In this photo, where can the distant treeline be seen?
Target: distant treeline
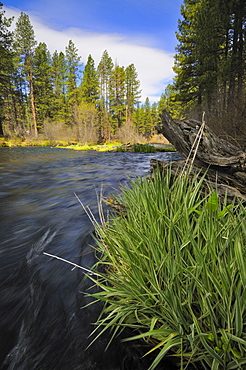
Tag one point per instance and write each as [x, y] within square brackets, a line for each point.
[58, 96]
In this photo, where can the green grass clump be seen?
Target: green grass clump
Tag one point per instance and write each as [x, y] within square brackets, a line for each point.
[166, 149]
[143, 148]
[137, 148]
[176, 272]
[91, 146]
[121, 149]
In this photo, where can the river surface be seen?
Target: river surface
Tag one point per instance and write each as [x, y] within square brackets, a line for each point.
[40, 212]
[38, 187]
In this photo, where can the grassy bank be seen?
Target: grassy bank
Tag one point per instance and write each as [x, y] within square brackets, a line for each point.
[118, 147]
[108, 146]
[18, 142]
[176, 272]
[145, 148]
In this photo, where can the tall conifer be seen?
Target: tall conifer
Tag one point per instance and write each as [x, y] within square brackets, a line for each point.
[117, 97]
[90, 85]
[210, 61]
[73, 72]
[42, 83]
[59, 78]
[6, 66]
[105, 70]
[24, 46]
[147, 123]
[133, 92]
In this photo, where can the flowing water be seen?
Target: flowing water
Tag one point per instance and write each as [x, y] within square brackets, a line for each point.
[40, 307]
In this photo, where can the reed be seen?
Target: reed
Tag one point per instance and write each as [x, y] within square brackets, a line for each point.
[175, 272]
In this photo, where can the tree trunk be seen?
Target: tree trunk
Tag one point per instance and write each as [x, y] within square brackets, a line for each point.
[33, 108]
[1, 127]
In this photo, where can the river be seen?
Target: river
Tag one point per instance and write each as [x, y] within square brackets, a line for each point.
[40, 307]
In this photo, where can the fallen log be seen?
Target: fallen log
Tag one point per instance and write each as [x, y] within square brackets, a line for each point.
[211, 178]
[224, 163]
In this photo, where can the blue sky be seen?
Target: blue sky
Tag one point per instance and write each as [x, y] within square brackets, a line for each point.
[133, 31]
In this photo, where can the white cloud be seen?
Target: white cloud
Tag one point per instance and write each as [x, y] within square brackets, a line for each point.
[154, 66]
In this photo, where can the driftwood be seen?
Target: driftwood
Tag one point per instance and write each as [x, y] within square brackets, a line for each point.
[225, 164]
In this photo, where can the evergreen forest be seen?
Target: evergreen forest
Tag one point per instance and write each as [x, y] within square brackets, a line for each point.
[56, 96]
[210, 66]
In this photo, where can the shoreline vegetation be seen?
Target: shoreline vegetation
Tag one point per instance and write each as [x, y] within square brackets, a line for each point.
[106, 147]
[175, 272]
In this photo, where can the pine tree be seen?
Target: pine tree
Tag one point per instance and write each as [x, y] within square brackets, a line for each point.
[6, 66]
[185, 60]
[42, 83]
[104, 69]
[169, 101]
[210, 61]
[138, 118]
[89, 88]
[133, 92]
[59, 78]
[117, 97]
[209, 51]
[24, 46]
[155, 116]
[147, 122]
[238, 49]
[73, 72]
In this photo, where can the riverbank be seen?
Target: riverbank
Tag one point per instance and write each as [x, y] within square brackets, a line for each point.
[128, 147]
[108, 146]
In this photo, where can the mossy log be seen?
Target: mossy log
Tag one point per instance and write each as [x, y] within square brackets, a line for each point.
[224, 163]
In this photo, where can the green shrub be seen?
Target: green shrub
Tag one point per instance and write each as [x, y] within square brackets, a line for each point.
[121, 149]
[137, 148]
[175, 272]
[143, 148]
